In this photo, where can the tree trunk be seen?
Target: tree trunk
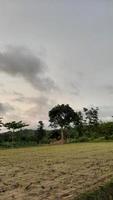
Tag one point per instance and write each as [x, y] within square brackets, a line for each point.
[62, 135]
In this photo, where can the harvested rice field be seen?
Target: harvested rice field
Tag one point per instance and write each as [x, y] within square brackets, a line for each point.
[58, 172]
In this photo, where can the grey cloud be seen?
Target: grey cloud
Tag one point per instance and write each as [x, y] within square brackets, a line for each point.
[19, 61]
[39, 108]
[109, 88]
[106, 112]
[19, 97]
[17, 93]
[1, 85]
[5, 108]
[74, 88]
[40, 100]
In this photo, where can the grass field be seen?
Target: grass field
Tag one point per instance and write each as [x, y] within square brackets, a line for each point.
[59, 172]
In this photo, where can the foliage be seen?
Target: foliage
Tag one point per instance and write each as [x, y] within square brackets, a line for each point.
[66, 124]
[106, 129]
[103, 193]
[40, 133]
[78, 122]
[14, 125]
[62, 116]
[91, 116]
[1, 123]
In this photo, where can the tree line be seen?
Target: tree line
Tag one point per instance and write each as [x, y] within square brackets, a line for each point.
[66, 125]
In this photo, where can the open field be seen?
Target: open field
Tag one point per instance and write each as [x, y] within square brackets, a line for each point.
[59, 172]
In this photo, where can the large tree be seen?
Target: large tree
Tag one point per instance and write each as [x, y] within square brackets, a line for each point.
[61, 116]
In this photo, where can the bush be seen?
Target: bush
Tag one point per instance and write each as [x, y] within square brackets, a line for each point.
[108, 137]
[83, 139]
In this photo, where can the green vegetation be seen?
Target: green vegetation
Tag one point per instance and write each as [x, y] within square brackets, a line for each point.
[61, 116]
[67, 126]
[103, 193]
[67, 172]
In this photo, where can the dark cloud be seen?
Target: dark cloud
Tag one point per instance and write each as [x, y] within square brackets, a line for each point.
[5, 108]
[19, 61]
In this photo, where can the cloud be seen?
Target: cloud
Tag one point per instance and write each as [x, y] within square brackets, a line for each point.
[39, 108]
[109, 88]
[21, 62]
[74, 89]
[36, 107]
[5, 108]
[106, 112]
[40, 100]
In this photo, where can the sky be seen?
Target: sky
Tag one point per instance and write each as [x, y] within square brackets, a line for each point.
[54, 52]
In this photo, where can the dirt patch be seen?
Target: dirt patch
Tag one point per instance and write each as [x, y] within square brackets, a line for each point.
[59, 172]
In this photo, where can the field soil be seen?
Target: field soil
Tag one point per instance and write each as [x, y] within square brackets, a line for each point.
[58, 172]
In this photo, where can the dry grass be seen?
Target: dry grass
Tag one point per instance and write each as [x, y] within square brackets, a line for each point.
[59, 172]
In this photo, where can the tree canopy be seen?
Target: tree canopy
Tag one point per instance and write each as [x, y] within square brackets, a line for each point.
[61, 115]
[91, 116]
[15, 125]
